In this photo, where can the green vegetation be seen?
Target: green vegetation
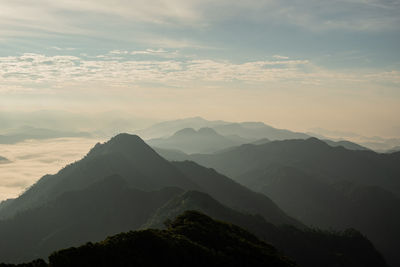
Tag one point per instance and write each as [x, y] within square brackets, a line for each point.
[192, 239]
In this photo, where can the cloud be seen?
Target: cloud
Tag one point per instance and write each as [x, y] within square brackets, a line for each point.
[31, 160]
[33, 73]
[103, 17]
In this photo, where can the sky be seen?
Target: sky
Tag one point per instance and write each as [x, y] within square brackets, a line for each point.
[291, 64]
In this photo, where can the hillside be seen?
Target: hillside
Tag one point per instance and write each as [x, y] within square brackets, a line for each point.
[307, 247]
[322, 185]
[107, 207]
[192, 239]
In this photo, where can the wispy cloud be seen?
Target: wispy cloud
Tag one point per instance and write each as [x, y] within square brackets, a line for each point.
[91, 17]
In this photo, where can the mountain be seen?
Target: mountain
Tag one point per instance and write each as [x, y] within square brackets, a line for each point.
[167, 128]
[240, 132]
[27, 132]
[192, 239]
[308, 247]
[188, 140]
[78, 200]
[107, 207]
[323, 185]
[346, 144]
[234, 195]
[257, 130]
[126, 155]
[3, 160]
[131, 158]
[312, 156]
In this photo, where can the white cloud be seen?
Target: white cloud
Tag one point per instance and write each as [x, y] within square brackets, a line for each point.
[30, 73]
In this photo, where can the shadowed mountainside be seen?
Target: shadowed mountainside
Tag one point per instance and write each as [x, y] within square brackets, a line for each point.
[192, 239]
[308, 247]
[323, 185]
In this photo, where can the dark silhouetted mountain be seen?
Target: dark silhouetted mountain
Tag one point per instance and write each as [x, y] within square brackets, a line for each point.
[346, 144]
[141, 167]
[302, 177]
[131, 158]
[192, 239]
[106, 207]
[308, 247]
[167, 128]
[188, 140]
[28, 132]
[126, 155]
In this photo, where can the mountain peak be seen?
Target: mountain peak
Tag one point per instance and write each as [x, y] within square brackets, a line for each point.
[185, 131]
[207, 130]
[126, 143]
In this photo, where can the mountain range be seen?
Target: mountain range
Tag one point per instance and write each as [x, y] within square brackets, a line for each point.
[322, 185]
[245, 130]
[124, 184]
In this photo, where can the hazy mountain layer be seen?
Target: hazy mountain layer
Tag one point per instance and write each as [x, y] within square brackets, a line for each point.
[167, 128]
[346, 144]
[188, 140]
[25, 133]
[311, 156]
[235, 131]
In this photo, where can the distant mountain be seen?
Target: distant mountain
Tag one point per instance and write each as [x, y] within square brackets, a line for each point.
[258, 130]
[27, 132]
[188, 140]
[346, 144]
[107, 207]
[167, 128]
[323, 185]
[307, 247]
[244, 132]
[312, 156]
[3, 160]
[192, 239]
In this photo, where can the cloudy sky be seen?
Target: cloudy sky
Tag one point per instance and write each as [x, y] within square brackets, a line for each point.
[292, 64]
